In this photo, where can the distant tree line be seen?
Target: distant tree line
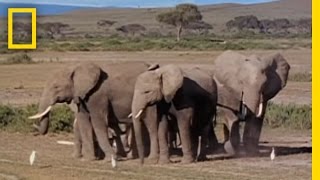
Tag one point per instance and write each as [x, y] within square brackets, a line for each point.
[267, 26]
[184, 18]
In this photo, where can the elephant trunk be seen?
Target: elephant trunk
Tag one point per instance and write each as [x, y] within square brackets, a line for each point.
[137, 111]
[253, 125]
[138, 134]
[44, 122]
[43, 113]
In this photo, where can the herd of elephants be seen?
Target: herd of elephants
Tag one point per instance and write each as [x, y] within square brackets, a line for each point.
[137, 109]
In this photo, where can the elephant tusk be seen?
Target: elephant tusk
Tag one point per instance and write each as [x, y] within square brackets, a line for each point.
[139, 114]
[130, 115]
[37, 116]
[74, 122]
[260, 110]
[36, 126]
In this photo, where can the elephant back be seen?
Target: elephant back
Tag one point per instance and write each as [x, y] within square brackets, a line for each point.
[199, 81]
[236, 70]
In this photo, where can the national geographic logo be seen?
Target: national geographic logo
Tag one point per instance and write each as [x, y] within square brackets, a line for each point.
[33, 12]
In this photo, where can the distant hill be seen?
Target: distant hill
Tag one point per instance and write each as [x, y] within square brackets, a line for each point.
[42, 9]
[84, 20]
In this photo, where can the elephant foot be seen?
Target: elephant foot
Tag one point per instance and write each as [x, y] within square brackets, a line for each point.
[251, 148]
[85, 159]
[76, 155]
[130, 155]
[252, 152]
[152, 160]
[229, 148]
[164, 160]
[202, 157]
[187, 160]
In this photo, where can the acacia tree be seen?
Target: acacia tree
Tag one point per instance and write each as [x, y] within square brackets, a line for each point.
[180, 17]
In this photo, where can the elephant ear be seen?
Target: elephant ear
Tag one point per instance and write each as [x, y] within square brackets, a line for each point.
[277, 70]
[85, 78]
[171, 79]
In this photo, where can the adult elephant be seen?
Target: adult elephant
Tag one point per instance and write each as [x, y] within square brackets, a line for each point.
[245, 85]
[103, 96]
[189, 94]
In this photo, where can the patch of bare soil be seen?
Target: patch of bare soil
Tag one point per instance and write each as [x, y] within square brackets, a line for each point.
[53, 161]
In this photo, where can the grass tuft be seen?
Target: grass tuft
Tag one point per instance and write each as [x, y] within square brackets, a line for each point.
[22, 58]
[288, 116]
[301, 77]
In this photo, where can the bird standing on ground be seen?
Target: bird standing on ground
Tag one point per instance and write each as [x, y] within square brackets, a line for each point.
[32, 157]
[273, 154]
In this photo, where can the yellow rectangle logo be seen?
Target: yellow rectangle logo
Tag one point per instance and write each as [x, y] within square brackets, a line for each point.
[33, 12]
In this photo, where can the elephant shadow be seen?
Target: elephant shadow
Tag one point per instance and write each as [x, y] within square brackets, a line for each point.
[284, 150]
[264, 151]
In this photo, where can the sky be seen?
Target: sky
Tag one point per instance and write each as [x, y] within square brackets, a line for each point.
[130, 3]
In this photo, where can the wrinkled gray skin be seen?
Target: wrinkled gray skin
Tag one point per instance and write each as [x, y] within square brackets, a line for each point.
[260, 79]
[187, 93]
[103, 97]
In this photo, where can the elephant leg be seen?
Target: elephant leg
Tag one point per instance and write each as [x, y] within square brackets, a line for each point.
[184, 118]
[133, 153]
[212, 138]
[77, 140]
[194, 143]
[163, 141]
[203, 143]
[252, 132]
[226, 133]
[100, 127]
[232, 144]
[86, 134]
[151, 122]
[172, 138]
[121, 141]
[126, 138]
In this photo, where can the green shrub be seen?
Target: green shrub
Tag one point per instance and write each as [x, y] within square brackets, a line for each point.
[289, 116]
[16, 118]
[301, 77]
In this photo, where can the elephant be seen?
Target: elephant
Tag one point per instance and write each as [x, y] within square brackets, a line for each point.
[245, 85]
[189, 94]
[103, 95]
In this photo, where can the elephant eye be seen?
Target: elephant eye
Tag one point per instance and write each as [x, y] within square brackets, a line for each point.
[56, 87]
[146, 92]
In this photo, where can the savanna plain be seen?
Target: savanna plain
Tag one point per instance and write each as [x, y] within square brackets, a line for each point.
[287, 128]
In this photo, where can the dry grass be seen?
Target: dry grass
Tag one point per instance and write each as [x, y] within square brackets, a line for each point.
[54, 161]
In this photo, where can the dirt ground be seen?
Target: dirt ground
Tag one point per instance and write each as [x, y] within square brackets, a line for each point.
[53, 161]
[22, 84]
